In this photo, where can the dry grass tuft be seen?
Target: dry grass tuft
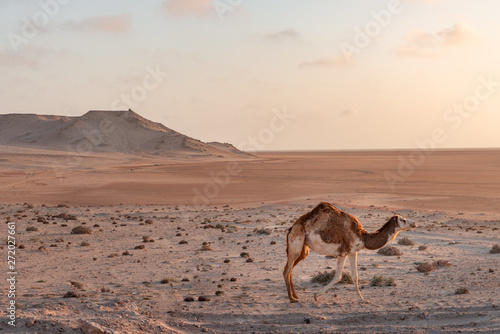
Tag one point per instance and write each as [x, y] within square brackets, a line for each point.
[441, 263]
[325, 277]
[423, 247]
[265, 231]
[77, 285]
[425, 267]
[461, 291]
[390, 251]
[495, 249]
[406, 242]
[31, 229]
[382, 281]
[81, 230]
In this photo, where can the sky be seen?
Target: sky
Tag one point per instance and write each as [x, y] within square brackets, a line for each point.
[264, 75]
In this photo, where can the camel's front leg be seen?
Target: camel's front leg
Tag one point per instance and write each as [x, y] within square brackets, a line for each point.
[338, 276]
[353, 261]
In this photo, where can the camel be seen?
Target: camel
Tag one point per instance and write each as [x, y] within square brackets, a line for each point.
[329, 231]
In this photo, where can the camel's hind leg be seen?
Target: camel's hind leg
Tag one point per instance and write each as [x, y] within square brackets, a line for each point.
[302, 256]
[294, 247]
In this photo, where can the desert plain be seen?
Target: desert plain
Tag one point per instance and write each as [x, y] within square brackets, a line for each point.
[198, 245]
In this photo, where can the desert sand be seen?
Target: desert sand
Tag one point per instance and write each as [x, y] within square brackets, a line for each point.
[164, 231]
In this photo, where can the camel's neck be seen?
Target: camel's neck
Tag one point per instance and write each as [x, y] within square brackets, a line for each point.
[380, 238]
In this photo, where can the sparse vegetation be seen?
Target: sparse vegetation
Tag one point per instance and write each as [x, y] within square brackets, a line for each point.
[390, 251]
[441, 263]
[72, 294]
[325, 277]
[423, 247]
[382, 281]
[495, 249]
[264, 231]
[31, 229]
[406, 242]
[425, 267]
[77, 285]
[461, 291]
[167, 280]
[81, 230]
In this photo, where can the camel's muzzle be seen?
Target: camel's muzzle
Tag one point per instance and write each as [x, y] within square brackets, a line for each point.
[413, 225]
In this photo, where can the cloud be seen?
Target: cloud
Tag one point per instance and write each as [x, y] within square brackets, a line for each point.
[349, 113]
[419, 43]
[283, 35]
[33, 57]
[338, 61]
[117, 24]
[198, 8]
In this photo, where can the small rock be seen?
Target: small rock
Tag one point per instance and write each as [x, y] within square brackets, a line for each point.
[203, 298]
[189, 299]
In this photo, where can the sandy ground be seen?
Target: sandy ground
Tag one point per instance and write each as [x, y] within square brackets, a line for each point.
[195, 243]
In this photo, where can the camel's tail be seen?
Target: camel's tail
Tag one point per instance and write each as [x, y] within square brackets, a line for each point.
[287, 234]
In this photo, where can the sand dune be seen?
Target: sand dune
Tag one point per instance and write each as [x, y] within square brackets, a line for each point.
[105, 131]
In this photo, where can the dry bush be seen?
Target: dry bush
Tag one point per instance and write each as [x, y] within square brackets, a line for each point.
[265, 231]
[382, 281]
[441, 263]
[31, 229]
[423, 247]
[425, 267]
[406, 242]
[81, 230]
[390, 251]
[77, 285]
[495, 249]
[461, 291]
[325, 277]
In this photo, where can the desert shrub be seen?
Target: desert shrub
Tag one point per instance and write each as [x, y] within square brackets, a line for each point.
[77, 285]
[390, 251]
[406, 242]
[423, 247]
[81, 230]
[265, 231]
[461, 291]
[167, 280]
[72, 294]
[425, 267]
[325, 277]
[495, 249]
[382, 281]
[31, 229]
[441, 263]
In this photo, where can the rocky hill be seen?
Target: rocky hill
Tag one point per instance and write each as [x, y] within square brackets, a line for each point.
[105, 131]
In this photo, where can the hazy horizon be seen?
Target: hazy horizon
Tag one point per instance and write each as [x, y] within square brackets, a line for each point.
[296, 76]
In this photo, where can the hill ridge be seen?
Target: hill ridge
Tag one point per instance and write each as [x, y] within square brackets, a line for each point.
[112, 131]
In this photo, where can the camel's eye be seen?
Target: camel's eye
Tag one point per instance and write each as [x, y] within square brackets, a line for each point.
[404, 220]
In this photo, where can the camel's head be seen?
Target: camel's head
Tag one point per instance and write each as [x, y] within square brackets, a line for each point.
[403, 224]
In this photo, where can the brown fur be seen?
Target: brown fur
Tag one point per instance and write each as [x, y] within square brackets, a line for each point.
[337, 227]
[379, 238]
